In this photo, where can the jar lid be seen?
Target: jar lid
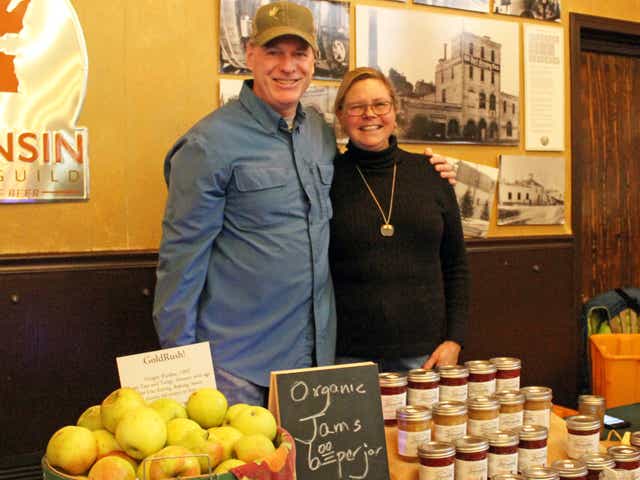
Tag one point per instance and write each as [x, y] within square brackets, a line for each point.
[502, 438]
[507, 476]
[635, 439]
[537, 393]
[413, 413]
[506, 363]
[436, 450]
[591, 400]
[583, 423]
[510, 397]
[541, 473]
[483, 402]
[624, 453]
[422, 375]
[532, 432]
[480, 366]
[453, 371]
[392, 379]
[471, 444]
[570, 468]
[449, 408]
[598, 461]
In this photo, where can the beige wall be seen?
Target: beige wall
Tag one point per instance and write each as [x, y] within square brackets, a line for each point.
[152, 73]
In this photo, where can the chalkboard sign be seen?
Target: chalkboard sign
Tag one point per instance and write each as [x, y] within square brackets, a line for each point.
[335, 415]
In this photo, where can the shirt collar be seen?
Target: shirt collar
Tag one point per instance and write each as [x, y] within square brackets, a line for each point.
[266, 116]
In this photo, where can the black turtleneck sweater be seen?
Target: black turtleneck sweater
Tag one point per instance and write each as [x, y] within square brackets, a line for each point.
[398, 296]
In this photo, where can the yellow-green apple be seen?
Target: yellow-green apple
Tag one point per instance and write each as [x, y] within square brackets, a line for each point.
[117, 404]
[169, 408]
[123, 455]
[170, 462]
[232, 411]
[141, 432]
[227, 465]
[194, 442]
[179, 427]
[112, 468]
[73, 449]
[90, 418]
[227, 436]
[207, 406]
[106, 442]
[253, 447]
[255, 420]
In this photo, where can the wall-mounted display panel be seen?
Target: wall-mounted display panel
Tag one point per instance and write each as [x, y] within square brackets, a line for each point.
[472, 5]
[539, 9]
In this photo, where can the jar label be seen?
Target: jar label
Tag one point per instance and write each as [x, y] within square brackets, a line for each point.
[537, 417]
[449, 433]
[471, 470]
[390, 403]
[477, 389]
[457, 392]
[531, 457]
[578, 445]
[505, 463]
[408, 442]
[480, 428]
[436, 473]
[426, 397]
[508, 383]
[509, 421]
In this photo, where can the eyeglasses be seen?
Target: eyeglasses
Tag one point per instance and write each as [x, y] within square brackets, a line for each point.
[379, 108]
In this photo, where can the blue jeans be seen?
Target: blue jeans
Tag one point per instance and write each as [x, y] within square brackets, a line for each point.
[388, 365]
[239, 390]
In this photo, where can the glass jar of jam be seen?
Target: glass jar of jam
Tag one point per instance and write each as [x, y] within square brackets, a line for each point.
[570, 469]
[437, 461]
[626, 458]
[537, 405]
[393, 393]
[449, 421]
[592, 405]
[483, 415]
[414, 428]
[635, 439]
[423, 388]
[503, 452]
[453, 383]
[482, 377]
[508, 374]
[511, 409]
[471, 458]
[597, 463]
[541, 473]
[507, 476]
[532, 447]
[583, 435]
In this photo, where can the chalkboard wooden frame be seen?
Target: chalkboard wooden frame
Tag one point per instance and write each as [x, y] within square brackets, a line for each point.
[334, 414]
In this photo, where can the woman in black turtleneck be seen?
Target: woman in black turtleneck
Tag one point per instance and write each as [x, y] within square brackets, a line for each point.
[397, 251]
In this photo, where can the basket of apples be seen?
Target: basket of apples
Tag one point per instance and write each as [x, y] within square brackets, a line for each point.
[125, 438]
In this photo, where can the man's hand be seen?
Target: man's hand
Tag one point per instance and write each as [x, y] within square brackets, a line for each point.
[441, 165]
[445, 354]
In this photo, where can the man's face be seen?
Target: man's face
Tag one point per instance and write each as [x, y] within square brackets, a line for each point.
[282, 70]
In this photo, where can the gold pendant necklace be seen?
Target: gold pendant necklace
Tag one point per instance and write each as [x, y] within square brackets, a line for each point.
[386, 230]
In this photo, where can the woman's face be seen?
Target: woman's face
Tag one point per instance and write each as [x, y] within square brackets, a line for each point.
[368, 130]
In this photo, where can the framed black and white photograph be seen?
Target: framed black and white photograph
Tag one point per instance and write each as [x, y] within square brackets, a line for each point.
[548, 10]
[531, 190]
[475, 190]
[457, 77]
[332, 27]
[471, 5]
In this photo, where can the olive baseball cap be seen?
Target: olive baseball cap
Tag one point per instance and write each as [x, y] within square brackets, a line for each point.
[283, 18]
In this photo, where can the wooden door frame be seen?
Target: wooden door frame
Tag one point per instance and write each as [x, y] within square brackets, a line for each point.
[595, 34]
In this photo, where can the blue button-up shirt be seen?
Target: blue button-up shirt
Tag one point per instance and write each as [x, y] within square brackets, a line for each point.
[243, 258]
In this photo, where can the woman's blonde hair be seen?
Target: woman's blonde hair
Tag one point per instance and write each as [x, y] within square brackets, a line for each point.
[362, 73]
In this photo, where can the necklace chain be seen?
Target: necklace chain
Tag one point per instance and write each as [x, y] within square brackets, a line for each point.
[387, 219]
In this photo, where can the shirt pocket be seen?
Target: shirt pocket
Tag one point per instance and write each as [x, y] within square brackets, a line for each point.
[260, 196]
[325, 174]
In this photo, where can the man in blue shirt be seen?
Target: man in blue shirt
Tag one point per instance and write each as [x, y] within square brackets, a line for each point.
[243, 259]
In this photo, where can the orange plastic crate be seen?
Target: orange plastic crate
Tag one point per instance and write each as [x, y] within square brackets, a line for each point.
[615, 367]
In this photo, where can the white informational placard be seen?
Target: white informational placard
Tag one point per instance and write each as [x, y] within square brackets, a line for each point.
[544, 87]
[172, 372]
